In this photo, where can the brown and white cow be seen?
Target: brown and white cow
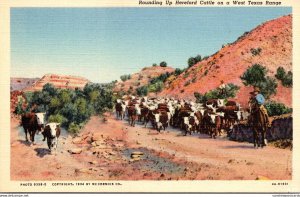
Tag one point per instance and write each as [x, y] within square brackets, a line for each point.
[32, 122]
[132, 115]
[52, 132]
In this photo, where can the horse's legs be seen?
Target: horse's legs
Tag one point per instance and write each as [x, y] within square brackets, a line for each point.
[264, 140]
[255, 138]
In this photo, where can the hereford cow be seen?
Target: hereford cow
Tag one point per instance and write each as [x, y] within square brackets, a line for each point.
[132, 115]
[52, 132]
[32, 122]
[161, 120]
[215, 124]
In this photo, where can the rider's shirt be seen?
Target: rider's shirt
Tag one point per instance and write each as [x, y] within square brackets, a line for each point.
[260, 99]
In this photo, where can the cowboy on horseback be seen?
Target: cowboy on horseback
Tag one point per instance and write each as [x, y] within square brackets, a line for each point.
[222, 89]
[259, 119]
[257, 101]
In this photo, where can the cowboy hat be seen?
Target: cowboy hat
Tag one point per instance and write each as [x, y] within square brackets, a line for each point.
[255, 89]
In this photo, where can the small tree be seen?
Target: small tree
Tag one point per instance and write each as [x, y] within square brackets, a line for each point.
[285, 78]
[280, 74]
[256, 76]
[194, 60]
[163, 64]
[178, 71]
[288, 80]
[142, 91]
[154, 65]
[191, 62]
[125, 77]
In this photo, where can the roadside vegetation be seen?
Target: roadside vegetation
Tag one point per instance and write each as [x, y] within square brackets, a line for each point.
[286, 78]
[229, 92]
[256, 76]
[71, 108]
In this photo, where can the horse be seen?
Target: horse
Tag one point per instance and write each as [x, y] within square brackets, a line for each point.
[258, 122]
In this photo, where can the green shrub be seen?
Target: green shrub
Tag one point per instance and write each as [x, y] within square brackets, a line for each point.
[142, 91]
[178, 71]
[256, 76]
[276, 109]
[187, 83]
[19, 108]
[154, 65]
[255, 51]
[125, 77]
[163, 64]
[73, 128]
[230, 92]
[57, 118]
[194, 60]
[288, 80]
[285, 78]
[280, 73]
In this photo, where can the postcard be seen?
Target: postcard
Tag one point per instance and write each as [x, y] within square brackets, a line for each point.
[149, 96]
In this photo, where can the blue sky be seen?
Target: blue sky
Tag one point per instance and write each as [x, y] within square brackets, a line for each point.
[103, 43]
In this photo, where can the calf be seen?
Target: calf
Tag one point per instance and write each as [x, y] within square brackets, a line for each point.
[52, 132]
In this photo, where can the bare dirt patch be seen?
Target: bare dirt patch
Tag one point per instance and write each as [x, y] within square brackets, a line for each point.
[106, 153]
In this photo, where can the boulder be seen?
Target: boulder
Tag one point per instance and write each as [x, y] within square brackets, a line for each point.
[93, 162]
[259, 177]
[137, 153]
[83, 170]
[75, 150]
[97, 137]
[76, 140]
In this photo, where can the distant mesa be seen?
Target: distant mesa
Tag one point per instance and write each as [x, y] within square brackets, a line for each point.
[21, 83]
[59, 81]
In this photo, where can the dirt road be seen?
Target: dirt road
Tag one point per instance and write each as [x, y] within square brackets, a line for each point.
[103, 151]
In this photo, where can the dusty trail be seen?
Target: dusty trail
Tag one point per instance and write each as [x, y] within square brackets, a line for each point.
[167, 155]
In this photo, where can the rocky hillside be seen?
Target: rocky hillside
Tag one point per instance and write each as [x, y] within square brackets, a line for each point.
[274, 38]
[21, 83]
[141, 78]
[59, 81]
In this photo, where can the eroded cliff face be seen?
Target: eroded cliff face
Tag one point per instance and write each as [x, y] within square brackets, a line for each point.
[273, 38]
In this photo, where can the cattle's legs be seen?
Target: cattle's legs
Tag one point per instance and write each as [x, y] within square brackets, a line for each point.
[32, 136]
[56, 143]
[26, 135]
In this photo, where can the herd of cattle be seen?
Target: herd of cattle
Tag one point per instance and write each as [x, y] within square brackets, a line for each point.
[35, 122]
[209, 118]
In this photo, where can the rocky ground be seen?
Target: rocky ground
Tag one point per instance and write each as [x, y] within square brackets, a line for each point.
[109, 149]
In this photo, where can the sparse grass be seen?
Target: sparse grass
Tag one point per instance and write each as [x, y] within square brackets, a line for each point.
[187, 83]
[186, 74]
[283, 143]
[194, 79]
[256, 51]
[206, 72]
